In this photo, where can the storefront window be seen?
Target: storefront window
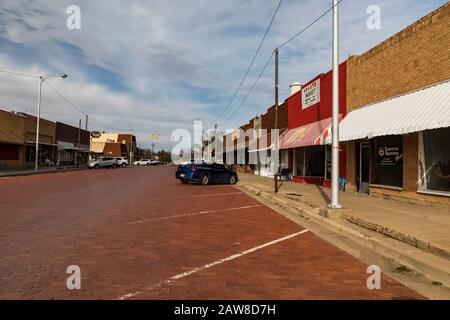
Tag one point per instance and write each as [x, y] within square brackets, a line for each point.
[300, 157]
[311, 161]
[389, 161]
[436, 150]
[315, 161]
[30, 151]
[66, 155]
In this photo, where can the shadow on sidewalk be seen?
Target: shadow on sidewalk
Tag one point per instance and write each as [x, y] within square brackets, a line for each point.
[323, 194]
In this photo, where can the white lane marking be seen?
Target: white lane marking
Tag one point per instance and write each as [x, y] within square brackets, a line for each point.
[193, 214]
[210, 265]
[209, 195]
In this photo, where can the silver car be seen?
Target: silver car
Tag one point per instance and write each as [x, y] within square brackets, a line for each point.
[103, 163]
[122, 161]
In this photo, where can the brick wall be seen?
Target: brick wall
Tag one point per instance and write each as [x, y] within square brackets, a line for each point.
[351, 167]
[410, 162]
[415, 57]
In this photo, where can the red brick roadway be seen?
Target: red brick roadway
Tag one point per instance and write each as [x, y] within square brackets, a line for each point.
[138, 233]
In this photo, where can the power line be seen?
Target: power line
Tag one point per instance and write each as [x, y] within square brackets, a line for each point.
[77, 108]
[19, 74]
[250, 90]
[308, 26]
[279, 47]
[252, 62]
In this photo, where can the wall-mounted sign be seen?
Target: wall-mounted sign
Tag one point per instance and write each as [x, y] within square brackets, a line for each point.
[96, 134]
[311, 94]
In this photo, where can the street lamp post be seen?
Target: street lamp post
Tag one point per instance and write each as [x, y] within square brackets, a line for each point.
[41, 80]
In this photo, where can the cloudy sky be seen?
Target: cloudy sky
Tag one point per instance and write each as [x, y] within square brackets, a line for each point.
[156, 65]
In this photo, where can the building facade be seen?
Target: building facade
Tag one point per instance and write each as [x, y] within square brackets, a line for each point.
[114, 145]
[411, 158]
[12, 140]
[309, 126]
[47, 141]
[72, 145]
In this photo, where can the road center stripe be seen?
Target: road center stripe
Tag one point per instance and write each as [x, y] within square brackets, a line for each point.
[193, 214]
[210, 265]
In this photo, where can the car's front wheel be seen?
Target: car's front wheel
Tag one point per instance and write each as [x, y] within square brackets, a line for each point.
[96, 166]
[232, 180]
[204, 179]
[124, 165]
[114, 166]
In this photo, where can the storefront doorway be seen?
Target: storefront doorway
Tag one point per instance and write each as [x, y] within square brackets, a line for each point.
[364, 167]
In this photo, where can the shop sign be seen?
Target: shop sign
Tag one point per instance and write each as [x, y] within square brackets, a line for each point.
[389, 156]
[311, 94]
[96, 134]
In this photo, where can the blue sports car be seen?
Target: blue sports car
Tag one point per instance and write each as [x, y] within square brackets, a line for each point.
[206, 173]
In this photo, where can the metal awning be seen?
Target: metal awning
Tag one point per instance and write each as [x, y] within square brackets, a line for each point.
[315, 133]
[41, 143]
[424, 109]
[63, 145]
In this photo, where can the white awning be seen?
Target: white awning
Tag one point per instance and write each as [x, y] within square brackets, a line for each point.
[424, 109]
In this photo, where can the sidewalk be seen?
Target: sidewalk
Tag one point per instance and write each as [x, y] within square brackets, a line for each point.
[423, 225]
[27, 172]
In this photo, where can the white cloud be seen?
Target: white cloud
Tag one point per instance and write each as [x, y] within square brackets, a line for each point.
[178, 60]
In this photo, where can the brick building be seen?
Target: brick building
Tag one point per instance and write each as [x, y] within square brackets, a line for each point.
[12, 140]
[110, 144]
[309, 126]
[18, 140]
[397, 97]
[72, 144]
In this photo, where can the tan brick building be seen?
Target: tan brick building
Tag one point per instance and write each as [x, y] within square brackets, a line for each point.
[413, 59]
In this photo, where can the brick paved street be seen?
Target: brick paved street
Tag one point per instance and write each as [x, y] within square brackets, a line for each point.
[139, 233]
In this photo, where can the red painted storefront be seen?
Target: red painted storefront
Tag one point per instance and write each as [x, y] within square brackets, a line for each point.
[299, 117]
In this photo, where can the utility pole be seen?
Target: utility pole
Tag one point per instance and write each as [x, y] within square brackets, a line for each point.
[130, 151]
[153, 149]
[36, 160]
[86, 123]
[275, 176]
[78, 144]
[335, 114]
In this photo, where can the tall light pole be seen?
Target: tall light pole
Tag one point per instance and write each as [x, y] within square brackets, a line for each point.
[275, 176]
[335, 113]
[41, 80]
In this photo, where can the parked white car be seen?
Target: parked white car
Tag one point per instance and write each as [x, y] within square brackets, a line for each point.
[122, 161]
[142, 162]
[103, 163]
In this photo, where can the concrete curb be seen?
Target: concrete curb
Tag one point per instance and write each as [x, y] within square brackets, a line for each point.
[313, 213]
[406, 238]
